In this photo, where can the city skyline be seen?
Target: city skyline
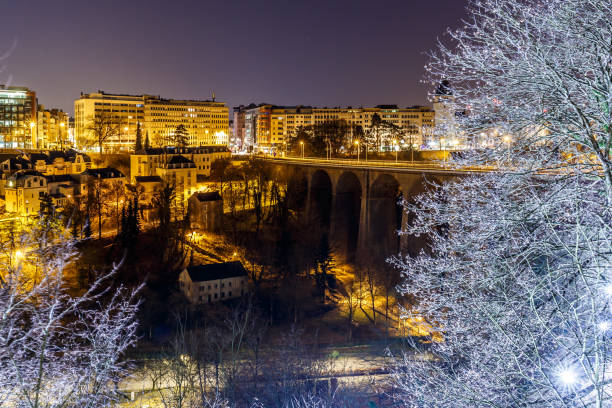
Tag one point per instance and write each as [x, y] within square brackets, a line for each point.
[361, 54]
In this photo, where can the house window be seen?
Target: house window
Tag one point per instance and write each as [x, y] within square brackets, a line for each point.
[215, 295]
[222, 294]
[230, 293]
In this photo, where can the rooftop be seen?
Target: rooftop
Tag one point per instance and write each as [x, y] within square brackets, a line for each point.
[148, 179]
[59, 178]
[211, 196]
[225, 270]
[156, 151]
[105, 172]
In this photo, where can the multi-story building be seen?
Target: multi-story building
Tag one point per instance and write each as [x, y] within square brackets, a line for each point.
[206, 122]
[124, 110]
[23, 191]
[52, 129]
[104, 176]
[264, 127]
[214, 282]
[17, 117]
[146, 161]
[239, 128]
[179, 172]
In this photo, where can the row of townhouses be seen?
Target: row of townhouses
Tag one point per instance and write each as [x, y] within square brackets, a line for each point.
[65, 174]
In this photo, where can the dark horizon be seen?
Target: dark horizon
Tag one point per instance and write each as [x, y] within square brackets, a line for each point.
[342, 53]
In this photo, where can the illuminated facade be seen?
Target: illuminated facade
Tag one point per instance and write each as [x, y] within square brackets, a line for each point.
[52, 130]
[265, 127]
[145, 162]
[23, 192]
[17, 117]
[126, 110]
[206, 122]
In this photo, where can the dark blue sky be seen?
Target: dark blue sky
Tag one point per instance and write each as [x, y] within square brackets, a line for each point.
[323, 53]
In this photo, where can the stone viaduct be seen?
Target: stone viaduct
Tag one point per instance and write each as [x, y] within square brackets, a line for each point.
[359, 203]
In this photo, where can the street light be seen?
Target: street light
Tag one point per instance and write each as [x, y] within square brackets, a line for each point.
[357, 144]
[302, 144]
[396, 149]
[507, 139]
[442, 148]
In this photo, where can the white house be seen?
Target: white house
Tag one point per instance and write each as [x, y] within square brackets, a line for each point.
[214, 282]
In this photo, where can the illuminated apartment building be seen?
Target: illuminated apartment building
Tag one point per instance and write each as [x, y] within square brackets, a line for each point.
[23, 192]
[124, 110]
[17, 117]
[145, 162]
[264, 127]
[206, 122]
[52, 129]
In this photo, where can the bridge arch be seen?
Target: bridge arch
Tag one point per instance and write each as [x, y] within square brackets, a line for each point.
[297, 190]
[320, 199]
[385, 215]
[346, 212]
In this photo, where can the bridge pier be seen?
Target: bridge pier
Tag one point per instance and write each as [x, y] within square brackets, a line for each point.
[334, 190]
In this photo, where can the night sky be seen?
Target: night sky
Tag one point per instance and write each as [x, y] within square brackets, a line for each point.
[320, 53]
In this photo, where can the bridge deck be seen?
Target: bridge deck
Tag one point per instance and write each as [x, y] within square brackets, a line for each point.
[399, 167]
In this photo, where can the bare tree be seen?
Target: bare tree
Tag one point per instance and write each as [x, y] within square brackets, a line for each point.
[56, 349]
[102, 127]
[517, 276]
[116, 192]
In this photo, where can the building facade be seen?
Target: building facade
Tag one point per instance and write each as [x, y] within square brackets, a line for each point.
[206, 211]
[52, 129]
[17, 117]
[146, 161]
[211, 283]
[206, 122]
[23, 192]
[266, 127]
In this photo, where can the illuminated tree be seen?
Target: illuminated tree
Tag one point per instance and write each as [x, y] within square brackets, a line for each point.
[181, 136]
[58, 349]
[102, 127]
[516, 284]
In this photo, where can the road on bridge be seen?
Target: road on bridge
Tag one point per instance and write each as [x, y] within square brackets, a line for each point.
[401, 166]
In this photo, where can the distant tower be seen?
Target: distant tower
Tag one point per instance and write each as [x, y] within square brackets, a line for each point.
[213, 95]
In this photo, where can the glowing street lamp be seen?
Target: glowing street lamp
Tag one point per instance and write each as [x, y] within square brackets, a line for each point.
[396, 148]
[442, 141]
[604, 326]
[302, 144]
[568, 377]
[507, 139]
[357, 144]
